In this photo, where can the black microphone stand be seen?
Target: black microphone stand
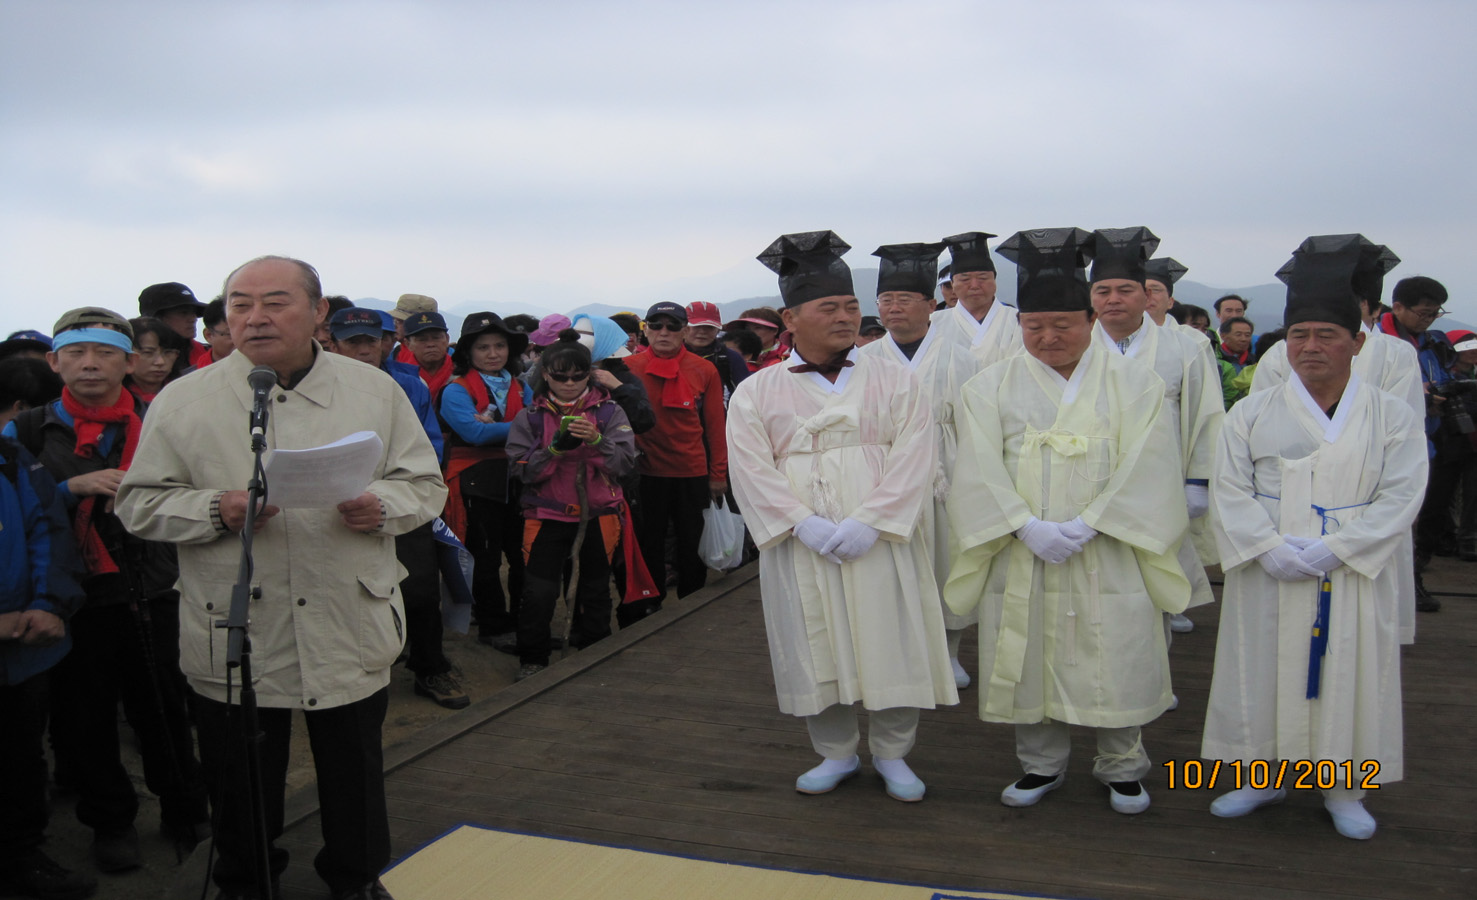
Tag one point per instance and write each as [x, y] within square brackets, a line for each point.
[238, 654]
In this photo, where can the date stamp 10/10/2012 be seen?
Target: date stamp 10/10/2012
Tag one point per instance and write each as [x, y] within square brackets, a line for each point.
[1296, 774]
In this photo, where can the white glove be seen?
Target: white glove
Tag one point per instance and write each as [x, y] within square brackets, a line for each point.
[1078, 532]
[1045, 539]
[1314, 553]
[1197, 500]
[1284, 563]
[814, 532]
[851, 539]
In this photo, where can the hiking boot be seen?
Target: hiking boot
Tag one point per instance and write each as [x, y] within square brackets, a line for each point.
[528, 670]
[443, 689]
[116, 851]
[34, 874]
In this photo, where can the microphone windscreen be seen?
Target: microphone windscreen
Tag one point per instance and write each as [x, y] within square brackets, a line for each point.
[262, 378]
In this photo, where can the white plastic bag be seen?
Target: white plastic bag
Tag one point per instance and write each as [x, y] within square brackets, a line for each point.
[722, 544]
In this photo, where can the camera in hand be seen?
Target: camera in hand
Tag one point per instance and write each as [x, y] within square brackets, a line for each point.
[1461, 390]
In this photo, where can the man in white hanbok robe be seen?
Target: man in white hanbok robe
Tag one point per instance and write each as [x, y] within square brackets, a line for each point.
[985, 326]
[1072, 635]
[849, 620]
[1301, 496]
[942, 367]
[1388, 363]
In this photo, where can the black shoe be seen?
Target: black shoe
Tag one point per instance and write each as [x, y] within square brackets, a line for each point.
[1424, 600]
[503, 643]
[372, 891]
[528, 670]
[443, 689]
[1468, 548]
[185, 836]
[116, 851]
[34, 874]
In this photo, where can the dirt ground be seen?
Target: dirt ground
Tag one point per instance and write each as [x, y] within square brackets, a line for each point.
[483, 670]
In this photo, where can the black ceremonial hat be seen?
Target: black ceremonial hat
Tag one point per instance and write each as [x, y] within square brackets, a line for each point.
[1320, 281]
[1166, 270]
[908, 267]
[1121, 253]
[1374, 261]
[809, 265]
[1051, 269]
[968, 252]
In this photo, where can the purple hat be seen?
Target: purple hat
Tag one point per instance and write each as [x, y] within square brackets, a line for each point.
[548, 330]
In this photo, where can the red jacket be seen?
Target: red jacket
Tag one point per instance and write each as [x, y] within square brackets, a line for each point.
[688, 439]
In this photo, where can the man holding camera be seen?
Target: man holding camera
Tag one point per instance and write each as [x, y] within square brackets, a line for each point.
[1416, 304]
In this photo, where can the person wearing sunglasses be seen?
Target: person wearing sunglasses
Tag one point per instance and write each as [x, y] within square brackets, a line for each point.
[569, 448]
[684, 458]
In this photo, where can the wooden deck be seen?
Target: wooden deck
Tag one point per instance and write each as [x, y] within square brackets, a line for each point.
[667, 738]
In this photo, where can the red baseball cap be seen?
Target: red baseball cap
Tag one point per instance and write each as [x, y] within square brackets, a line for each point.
[701, 312]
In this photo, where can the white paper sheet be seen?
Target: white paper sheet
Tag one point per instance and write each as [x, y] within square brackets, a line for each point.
[323, 476]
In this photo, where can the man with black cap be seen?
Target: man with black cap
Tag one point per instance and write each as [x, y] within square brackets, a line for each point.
[1384, 361]
[870, 331]
[834, 461]
[429, 342]
[1317, 481]
[357, 334]
[1066, 508]
[1160, 276]
[176, 306]
[1192, 384]
[987, 328]
[684, 457]
[904, 279]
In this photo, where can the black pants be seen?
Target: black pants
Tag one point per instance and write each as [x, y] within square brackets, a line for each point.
[679, 502]
[23, 785]
[1453, 467]
[349, 762]
[549, 544]
[119, 654]
[421, 591]
[495, 532]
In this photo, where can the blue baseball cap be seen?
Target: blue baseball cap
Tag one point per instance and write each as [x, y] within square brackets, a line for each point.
[415, 323]
[387, 322]
[353, 322]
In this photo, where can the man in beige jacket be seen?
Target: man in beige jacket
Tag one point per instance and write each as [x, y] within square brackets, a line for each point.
[330, 621]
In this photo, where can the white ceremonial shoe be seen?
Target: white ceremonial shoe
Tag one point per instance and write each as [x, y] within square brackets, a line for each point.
[1128, 804]
[1351, 819]
[1242, 801]
[1179, 623]
[1018, 796]
[824, 777]
[1174, 703]
[901, 783]
[961, 677]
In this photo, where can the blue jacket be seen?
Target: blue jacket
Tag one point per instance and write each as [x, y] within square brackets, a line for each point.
[39, 568]
[409, 379]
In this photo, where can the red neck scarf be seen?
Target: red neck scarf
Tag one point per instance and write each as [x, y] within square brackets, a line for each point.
[674, 392]
[88, 422]
[476, 388]
[438, 379]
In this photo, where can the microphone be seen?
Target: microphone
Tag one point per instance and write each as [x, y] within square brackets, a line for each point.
[261, 380]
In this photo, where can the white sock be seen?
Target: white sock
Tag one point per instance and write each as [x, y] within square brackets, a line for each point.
[958, 669]
[894, 770]
[829, 767]
[1255, 794]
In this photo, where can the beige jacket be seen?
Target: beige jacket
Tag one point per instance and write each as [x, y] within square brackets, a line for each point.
[330, 620]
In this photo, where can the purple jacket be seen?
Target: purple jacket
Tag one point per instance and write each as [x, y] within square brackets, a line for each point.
[549, 490]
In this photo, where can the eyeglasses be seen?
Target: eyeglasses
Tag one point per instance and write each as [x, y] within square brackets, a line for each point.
[563, 378]
[658, 326]
[1429, 314]
[220, 334]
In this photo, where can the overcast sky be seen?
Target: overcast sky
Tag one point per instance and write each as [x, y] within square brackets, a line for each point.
[562, 153]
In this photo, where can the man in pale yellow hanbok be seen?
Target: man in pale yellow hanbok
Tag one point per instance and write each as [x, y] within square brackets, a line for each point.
[1067, 509]
[905, 279]
[833, 458]
[986, 327]
[1317, 482]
